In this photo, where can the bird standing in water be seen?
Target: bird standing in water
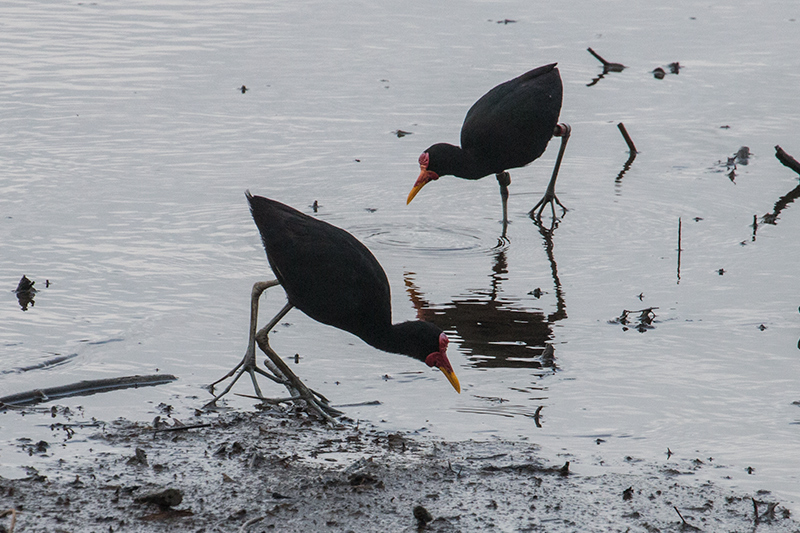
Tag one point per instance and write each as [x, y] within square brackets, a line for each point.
[506, 128]
[334, 279]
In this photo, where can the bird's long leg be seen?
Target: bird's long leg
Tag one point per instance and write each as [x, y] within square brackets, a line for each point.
[315, 401]
[504, 179]
[563, 131]
[248, 362]
[281, 373]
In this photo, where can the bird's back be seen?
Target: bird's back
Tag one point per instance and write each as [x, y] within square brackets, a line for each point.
[326, 272]
[511, 125]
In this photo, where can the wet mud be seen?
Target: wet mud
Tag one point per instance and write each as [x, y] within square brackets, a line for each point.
[281, 471]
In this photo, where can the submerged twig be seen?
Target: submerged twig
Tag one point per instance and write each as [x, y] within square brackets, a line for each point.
[685, 524]
[41, 366]
[251, 522]
[181, 428]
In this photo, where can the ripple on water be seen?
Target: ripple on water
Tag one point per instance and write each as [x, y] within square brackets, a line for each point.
[425, 240]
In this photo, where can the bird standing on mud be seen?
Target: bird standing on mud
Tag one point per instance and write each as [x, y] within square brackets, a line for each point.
[334, 279]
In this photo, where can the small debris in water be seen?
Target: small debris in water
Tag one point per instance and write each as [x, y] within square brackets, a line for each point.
[422, 515]
[402, 133]
[243, 89]
[645, 321]
[658, 73]
[25, 285]
[25, 293]
[743, 155]
[140, 458]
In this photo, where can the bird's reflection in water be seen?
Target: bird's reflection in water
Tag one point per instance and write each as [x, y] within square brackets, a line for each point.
[498, 331]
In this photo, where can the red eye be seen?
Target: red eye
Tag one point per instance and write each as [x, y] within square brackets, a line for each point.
[424, 159]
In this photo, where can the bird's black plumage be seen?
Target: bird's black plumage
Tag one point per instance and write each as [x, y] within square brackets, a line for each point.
[508, 127]
[333, 278]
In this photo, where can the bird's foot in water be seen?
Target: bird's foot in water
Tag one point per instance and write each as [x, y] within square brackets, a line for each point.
[314, 402]
[247, 364]
[548, 199]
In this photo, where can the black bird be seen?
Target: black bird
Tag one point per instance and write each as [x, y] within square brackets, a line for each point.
[508, 127]
[333, 278]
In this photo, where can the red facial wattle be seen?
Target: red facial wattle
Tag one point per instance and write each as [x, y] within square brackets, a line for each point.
[439, 360]
[425, 176]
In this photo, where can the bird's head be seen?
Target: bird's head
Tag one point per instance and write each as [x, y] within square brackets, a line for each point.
[439, 360]
[425, 175]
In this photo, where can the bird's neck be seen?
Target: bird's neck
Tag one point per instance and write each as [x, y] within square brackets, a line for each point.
[452, 160]
[413, 338]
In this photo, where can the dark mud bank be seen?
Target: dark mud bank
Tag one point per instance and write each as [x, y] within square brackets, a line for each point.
[254, 471]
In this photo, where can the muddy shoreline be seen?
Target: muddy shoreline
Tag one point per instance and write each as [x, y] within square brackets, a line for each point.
[282, 471]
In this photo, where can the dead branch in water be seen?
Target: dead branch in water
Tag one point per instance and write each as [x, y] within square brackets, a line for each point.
[83, 388]
[786, 159]
[628, 140]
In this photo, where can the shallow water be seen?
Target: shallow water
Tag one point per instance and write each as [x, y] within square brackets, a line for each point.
[127, 149]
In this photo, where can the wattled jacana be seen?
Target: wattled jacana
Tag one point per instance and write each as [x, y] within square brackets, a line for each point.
[333, 278]
[506, 128]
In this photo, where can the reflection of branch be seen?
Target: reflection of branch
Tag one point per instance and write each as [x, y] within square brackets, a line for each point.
[625, 168]
[791, 196]
[632, 149]
[786, 159]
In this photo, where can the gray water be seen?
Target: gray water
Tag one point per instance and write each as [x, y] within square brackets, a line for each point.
[127, 147]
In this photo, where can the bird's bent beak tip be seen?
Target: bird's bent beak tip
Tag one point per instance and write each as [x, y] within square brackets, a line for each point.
[451, 377]
[413, 193]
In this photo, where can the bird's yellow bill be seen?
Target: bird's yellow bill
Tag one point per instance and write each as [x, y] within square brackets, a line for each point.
[451, 377]
[417, 187]
[425, 176]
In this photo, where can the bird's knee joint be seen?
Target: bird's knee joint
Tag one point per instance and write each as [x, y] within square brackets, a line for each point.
[562, 130]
